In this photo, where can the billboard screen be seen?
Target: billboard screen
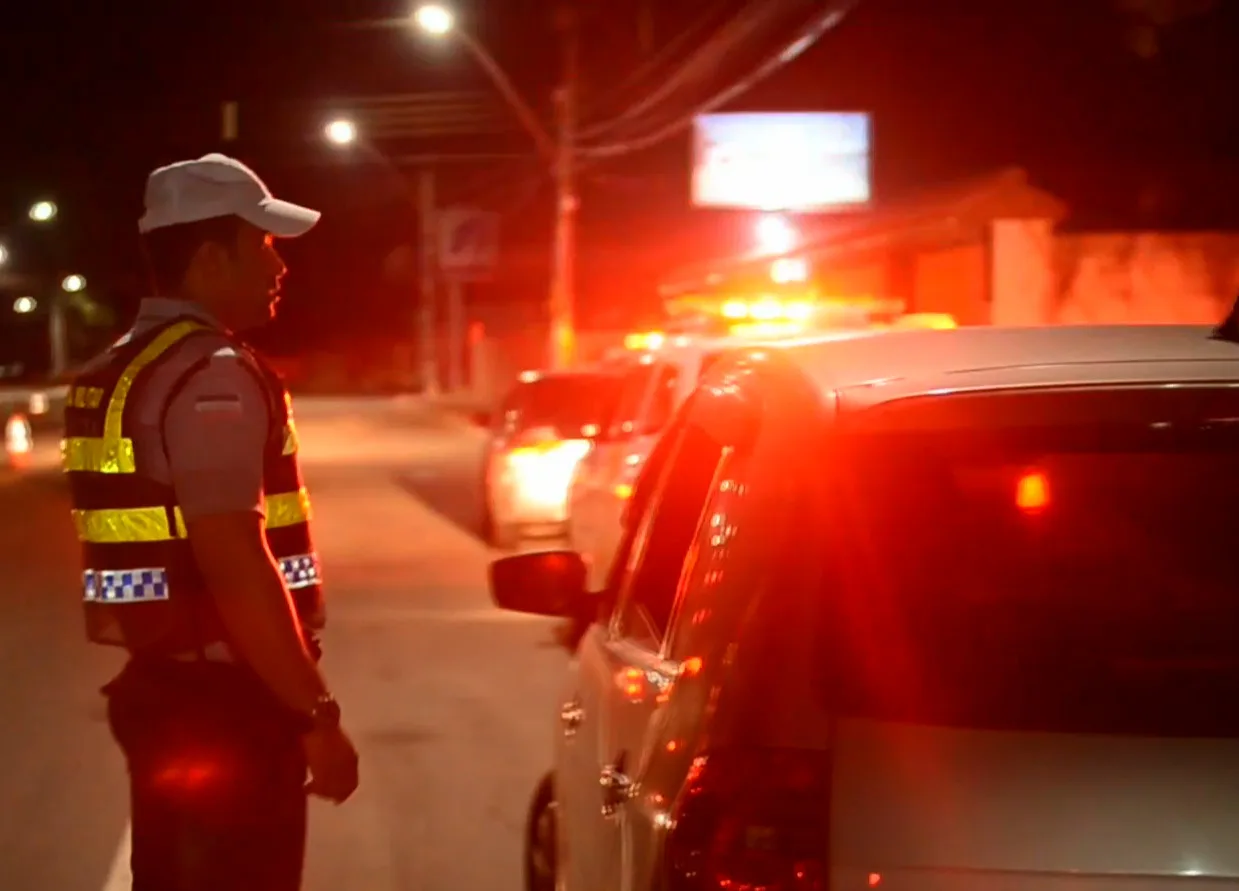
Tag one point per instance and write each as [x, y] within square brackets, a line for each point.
[803, 161]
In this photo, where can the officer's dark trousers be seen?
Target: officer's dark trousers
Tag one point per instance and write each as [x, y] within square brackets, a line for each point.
[217, 778]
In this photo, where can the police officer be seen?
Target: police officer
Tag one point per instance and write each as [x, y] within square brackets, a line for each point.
[181, 453]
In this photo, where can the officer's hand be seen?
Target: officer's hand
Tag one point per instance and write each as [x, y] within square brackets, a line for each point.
[333, 764]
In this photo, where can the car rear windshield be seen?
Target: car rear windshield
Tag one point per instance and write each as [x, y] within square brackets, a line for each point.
[1060, 562]
[568, 403]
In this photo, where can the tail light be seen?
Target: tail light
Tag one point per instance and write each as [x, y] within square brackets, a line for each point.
[556, 452]
[752, 820]
[544, 472]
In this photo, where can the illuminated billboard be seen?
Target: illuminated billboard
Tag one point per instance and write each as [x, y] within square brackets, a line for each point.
[802, 161]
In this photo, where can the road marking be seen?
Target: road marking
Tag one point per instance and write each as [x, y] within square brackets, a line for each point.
[120, 878]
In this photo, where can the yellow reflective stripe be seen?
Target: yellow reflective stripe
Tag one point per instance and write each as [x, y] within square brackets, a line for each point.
[85, 397]
[153, 350]
[113, 452]
[290, 439]
[96, 455]
[131, 525]
[288, 509]
[127, 525]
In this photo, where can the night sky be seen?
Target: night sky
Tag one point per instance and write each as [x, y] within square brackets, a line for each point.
[1125, 108]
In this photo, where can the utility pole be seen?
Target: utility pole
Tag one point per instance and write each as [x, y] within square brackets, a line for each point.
[562, 326]
[429, 226]
[58, 332]
[228, 122]
[455, 334]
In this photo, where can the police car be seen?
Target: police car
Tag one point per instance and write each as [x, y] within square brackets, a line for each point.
[938, 609]
[663, 367]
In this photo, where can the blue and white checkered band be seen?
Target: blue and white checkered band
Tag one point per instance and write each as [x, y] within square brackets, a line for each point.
[125, 585]
[301, 571]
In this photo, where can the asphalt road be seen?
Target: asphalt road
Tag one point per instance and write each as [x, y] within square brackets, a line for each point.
[450, 701]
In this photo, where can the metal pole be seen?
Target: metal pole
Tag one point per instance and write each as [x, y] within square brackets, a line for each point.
[429, 241]
[456, 334]
[563, 272]
[228, 122]
[58, 335]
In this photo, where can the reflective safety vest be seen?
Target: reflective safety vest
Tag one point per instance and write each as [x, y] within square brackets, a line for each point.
[142, 587]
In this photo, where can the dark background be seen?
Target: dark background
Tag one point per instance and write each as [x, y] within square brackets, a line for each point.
[1125, 108]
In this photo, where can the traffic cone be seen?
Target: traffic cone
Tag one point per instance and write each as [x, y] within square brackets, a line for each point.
[18, 440]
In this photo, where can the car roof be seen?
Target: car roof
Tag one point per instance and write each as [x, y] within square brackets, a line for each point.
[564, 374]
[898, 364]
[692, 347]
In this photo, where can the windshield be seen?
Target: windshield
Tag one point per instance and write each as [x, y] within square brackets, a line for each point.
[1072, 573]
[569, 404]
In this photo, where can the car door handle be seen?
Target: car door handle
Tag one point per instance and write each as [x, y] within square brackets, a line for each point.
[570, 716]
[617, 788]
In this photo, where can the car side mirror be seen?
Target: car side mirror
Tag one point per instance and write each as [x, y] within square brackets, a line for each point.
[544, 583]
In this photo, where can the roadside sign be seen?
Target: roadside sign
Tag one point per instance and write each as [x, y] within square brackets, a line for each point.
[468, 242]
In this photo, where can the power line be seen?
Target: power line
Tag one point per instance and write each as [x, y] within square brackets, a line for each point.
[805, 38]
[754, 17]
[650, 66]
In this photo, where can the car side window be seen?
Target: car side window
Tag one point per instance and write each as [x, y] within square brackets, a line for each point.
[628, 405]
[508, 416]
[661, 543]
[696, 611]
[661, 405]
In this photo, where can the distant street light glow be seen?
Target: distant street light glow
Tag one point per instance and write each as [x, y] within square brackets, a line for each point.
[434, 19]
[73, 283]
[42, 211]
[4, 255]
[24, 305]
[341, 132]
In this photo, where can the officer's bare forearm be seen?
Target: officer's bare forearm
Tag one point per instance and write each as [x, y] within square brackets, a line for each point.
[255, 607]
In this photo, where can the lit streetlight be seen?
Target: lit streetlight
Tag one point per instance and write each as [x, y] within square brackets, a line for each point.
[25, 305]
[438, 20]
[341, 131]
[43, 211]
[73, 283]
[4, 255]
[434, 19]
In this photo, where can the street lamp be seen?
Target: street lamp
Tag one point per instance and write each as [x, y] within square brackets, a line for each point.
[434, 19]
[343, 134]
[341, 131]
[73, 283]
[4, 255]
[23, 305]
[43, 211]
[438, 20]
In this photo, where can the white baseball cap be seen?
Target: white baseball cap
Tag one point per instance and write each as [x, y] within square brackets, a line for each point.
[218, 186]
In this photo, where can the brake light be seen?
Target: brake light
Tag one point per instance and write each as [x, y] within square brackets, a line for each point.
[753, 819]
[646, 340]
[1032, 492]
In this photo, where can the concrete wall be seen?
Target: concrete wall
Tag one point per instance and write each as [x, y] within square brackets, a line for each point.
[1026, 274]
[1144, 278]
[952, 280]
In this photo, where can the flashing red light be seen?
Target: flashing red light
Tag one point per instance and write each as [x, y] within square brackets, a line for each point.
[1032, 492]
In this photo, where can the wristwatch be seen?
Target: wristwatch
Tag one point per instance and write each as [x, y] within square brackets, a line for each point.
[326, 713]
